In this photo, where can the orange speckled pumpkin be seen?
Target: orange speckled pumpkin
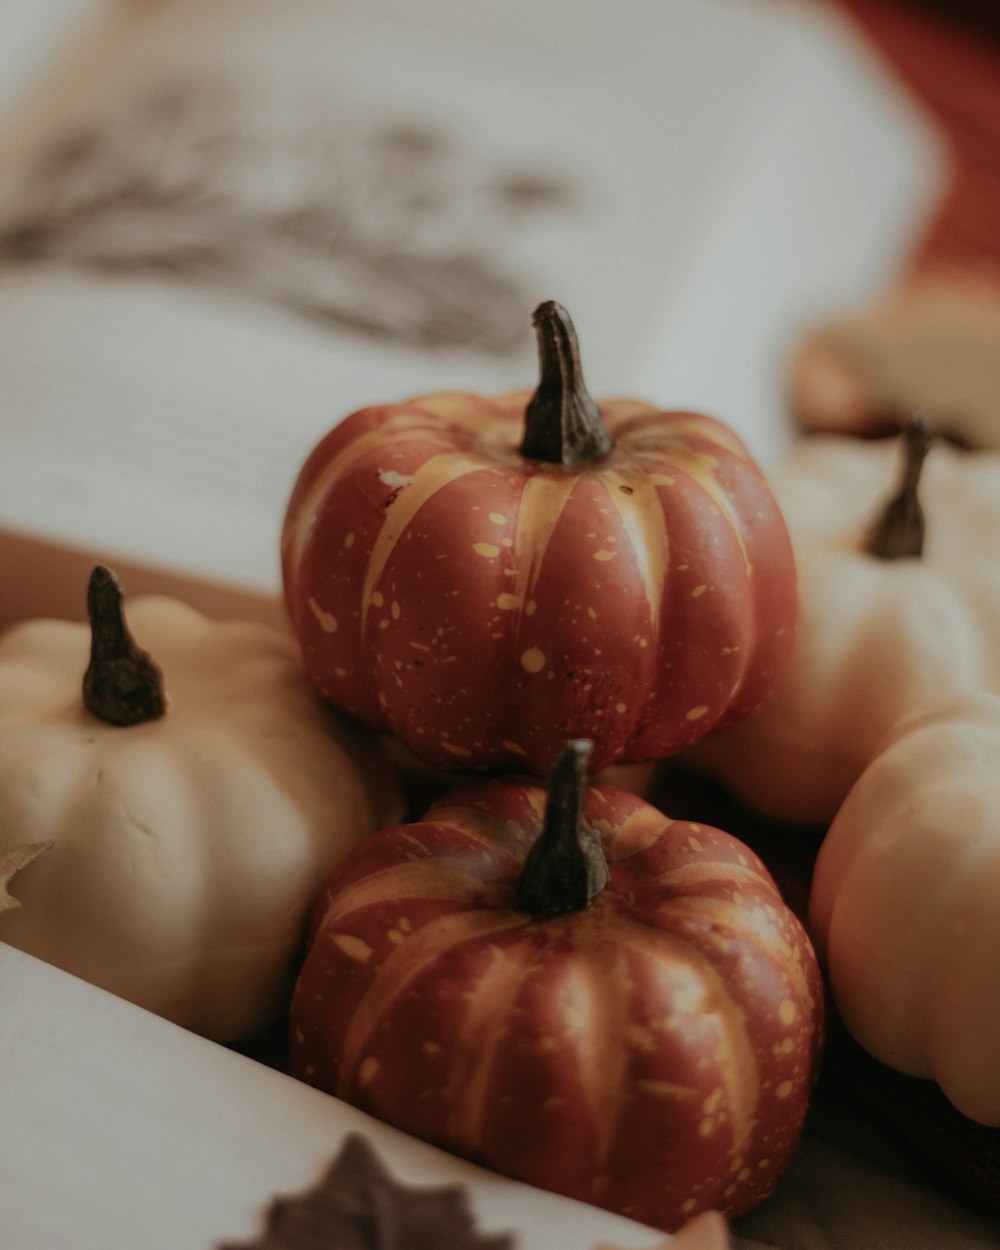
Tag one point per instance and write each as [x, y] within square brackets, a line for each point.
[487, 578]
[575, 990]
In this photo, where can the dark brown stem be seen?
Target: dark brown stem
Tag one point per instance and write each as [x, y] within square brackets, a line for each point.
[899, 532]
[562, 424]
[565, 869]
[122, 685]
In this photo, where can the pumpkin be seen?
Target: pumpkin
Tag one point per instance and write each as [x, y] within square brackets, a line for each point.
[193, 811]
[486, 578]
[899, 603]
[932, 346]
[572, 989]
[904, 902]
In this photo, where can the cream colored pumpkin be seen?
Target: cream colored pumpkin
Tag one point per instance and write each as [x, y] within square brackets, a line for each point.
[877, 638]
[187, 849]
[905, 904]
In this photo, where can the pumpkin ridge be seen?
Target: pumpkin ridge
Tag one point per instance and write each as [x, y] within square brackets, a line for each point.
[666, 953]
[310, 503]
[542, 502]
[406, 963]
[427, 480]
[649, 535]
[467, 1093]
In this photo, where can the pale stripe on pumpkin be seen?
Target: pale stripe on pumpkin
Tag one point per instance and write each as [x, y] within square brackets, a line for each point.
[425, 482]
[402, 425]
[407, 963]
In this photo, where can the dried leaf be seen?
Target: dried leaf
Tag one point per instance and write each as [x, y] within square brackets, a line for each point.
[11, 863]
[359, 1205]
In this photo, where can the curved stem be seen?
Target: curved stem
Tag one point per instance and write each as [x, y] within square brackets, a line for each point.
[122, 685]
[565, 869]
[562, 424]
[899, 531]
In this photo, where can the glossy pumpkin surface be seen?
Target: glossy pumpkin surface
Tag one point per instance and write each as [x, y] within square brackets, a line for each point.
[484, 605]
[652, 1053]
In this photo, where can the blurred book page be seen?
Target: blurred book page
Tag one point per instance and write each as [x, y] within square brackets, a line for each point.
[225, 224]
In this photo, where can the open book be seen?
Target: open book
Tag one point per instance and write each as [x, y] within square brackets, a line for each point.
[225, 224]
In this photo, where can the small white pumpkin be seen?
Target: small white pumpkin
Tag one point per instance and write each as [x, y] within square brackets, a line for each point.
[878, 637]
[187, 846]
[905, 904]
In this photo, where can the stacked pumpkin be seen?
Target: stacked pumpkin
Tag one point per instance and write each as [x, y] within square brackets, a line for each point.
[544, 974]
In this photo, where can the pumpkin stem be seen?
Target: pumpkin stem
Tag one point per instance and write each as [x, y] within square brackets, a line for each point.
[562, 424]
[565, 869]
[122, 685]
[899, 531]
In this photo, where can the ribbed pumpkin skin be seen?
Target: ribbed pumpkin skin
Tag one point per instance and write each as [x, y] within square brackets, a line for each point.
[652, 1054]
[484, 608]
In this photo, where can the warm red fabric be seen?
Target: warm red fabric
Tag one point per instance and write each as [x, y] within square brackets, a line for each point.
[947, 54]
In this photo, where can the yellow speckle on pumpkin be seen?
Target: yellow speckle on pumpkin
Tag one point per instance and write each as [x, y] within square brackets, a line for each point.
[327, 621]
[507, 602]
[784, 1089]
[706, 1127]
[498, 518]
[486, 549]
[698, 591]
[355, 947]
[696, 713]
[529, 607]
[367, 1070]
[621, 708]
[533, 660]
[513, 746]
[348, 540]
[694, 844]
[454, 749]
[378, 598]
[605, 555]
[395, 610]
[787, 1012]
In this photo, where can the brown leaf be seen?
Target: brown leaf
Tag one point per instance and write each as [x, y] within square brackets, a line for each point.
[11, 863]
[359, 1205]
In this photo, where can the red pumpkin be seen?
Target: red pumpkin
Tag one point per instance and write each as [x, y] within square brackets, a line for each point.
[651, 1050]
[620, 574]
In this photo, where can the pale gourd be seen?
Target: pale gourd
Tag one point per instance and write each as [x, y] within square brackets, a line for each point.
[904, 905]
[187, 846]
[878, 637]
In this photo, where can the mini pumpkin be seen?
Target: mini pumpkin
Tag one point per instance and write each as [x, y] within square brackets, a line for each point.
[904, 902]
[189, 818]
[572, 989]
[486, 578]
[898, 602]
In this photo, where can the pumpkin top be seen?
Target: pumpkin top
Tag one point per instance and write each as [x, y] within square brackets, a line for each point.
[122, 685]
[562, 424]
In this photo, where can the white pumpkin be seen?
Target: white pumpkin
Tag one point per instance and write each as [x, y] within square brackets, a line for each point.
[878, 638]
[187, 848]
[905, 904]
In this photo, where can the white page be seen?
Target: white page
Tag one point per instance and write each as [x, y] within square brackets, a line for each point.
[255, 217]
[121, 1131]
